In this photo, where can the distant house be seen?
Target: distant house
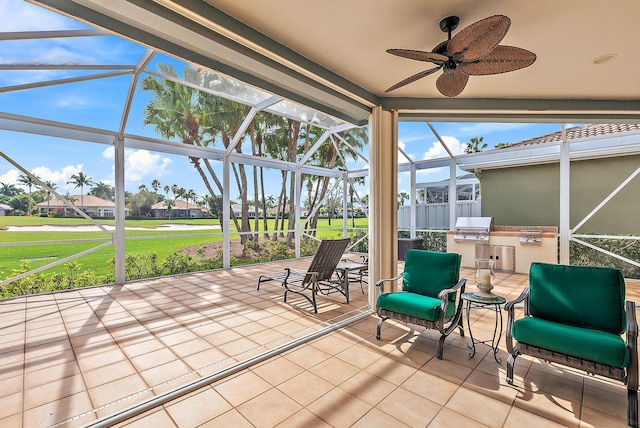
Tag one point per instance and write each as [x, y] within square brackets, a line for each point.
[92, 205]
[4, 209]
[180, 209]
[237, 210]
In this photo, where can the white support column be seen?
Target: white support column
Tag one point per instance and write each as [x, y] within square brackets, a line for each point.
[345, 204]
[565, 196]
[296, 196]
[453, 194]
[412, 201]
[226, 214]
[383, 199]
[120, 213]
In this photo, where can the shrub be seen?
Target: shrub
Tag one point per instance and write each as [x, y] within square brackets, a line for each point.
[630, 249]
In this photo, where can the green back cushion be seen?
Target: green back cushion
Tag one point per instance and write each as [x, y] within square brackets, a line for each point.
[429, 272]
[581, 296]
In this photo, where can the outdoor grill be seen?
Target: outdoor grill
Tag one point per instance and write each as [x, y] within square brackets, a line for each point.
[473, 229]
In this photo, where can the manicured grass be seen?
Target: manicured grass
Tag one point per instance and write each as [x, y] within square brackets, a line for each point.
[168, 242]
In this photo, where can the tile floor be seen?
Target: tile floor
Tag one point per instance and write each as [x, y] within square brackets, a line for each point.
[67, 359]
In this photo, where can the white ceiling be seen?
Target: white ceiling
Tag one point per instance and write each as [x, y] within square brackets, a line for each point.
[330, 54]
[350, 38]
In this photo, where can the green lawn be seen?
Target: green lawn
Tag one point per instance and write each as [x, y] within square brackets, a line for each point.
[168, 242]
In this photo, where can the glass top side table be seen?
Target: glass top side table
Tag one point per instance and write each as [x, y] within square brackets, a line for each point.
[490, 302]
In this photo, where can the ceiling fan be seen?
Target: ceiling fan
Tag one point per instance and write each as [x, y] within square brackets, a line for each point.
[474, 51]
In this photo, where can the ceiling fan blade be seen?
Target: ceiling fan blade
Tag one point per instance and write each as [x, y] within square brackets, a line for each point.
[419, 55]
[501, 60]
[450, 84]
[479, 38]
[413, 78]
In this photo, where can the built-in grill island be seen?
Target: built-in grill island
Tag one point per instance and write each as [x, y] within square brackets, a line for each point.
[512, 247]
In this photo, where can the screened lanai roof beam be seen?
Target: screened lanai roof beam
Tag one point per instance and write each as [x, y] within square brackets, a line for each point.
[444, 145]
[55, 34]
[405, 154]
[63, 81]
[145, 58]
[13, 67]
[32, 125]
[322, 139]
[335, 146]
[360, 155]
[247, 121]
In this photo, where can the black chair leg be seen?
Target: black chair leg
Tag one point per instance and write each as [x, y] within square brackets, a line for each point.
[510, 363]
[441, 346]
[632, 407]
[379, 328]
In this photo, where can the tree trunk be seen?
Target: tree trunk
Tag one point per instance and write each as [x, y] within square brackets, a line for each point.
[280, 208]
[294, 133]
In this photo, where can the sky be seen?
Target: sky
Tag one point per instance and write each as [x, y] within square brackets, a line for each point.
[99, 103]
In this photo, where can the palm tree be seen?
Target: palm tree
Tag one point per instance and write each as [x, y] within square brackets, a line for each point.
[169, 203]
[474, 145]
[80, 180]
[175, 189]
[29, 181]
[103, 191]
[143, 188]
[9, 189]
[357, 180]
[166, 191]
[51, 185]
[155, 185]
[403, 196]
[177, 112]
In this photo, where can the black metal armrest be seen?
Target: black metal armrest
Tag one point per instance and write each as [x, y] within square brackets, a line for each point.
[510, 308]
[632, 345]
[444, 294]
[632, 324]
[382, 281]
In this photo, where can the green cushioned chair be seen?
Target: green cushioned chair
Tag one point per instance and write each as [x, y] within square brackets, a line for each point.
[575, 316]
[430, 296]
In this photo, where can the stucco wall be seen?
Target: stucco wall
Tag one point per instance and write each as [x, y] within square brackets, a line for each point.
[530, 195]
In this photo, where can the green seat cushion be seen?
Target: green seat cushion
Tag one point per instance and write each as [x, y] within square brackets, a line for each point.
[415, 305]
[588, 344]
[430, 272]
[580, 296]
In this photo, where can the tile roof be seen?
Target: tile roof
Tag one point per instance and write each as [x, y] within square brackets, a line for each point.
[179, 204]
[577, 132]
[87, 200]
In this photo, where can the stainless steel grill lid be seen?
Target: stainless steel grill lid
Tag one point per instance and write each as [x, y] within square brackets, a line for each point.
[473, 229]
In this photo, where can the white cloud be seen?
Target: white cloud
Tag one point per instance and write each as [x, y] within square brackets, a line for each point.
[140, 165]
[109, 153]
[437, 151]
[59, 177]
[10, 177]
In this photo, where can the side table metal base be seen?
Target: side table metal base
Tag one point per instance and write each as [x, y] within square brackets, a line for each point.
[492, 302]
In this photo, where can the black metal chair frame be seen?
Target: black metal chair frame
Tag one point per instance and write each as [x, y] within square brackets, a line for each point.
[444, 325]
[628, 376]
[319, 278]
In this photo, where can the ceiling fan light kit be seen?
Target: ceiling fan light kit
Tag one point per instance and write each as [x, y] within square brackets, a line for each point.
[473, 51]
